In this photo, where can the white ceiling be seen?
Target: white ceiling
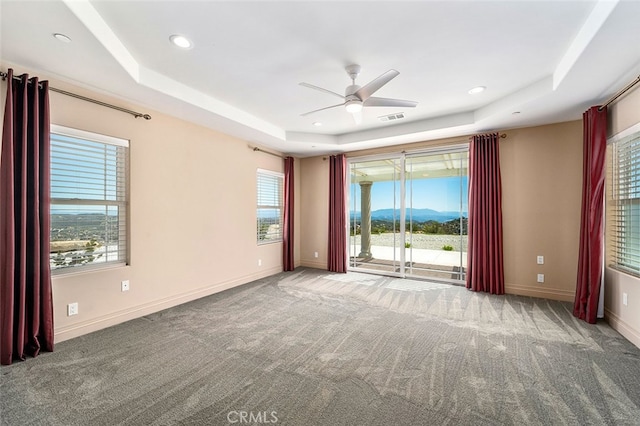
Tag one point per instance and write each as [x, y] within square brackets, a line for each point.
[547, 60]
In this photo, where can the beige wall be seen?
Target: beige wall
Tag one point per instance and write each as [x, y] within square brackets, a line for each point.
[192, 212]
[542, 184]
[541, 174]
[314, 211]
[625, 319]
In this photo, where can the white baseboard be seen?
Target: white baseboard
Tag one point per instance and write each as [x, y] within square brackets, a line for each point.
[98, 323]
[314, 264]
[622, 327]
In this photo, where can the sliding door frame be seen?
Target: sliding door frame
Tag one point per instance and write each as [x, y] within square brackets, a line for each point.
[376, 157]
[451, 149]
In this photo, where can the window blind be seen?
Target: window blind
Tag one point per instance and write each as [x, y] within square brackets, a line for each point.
[89, 199]
[269, 212]
[623, 209]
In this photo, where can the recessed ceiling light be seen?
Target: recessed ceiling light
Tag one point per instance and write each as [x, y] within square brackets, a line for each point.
[317, 123]
[477, 90]
[62, 37]
[181, 41]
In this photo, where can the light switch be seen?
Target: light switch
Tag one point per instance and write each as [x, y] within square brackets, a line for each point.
[540, 260]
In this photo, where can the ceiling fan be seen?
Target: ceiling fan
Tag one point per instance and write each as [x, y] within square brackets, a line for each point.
[356, 97]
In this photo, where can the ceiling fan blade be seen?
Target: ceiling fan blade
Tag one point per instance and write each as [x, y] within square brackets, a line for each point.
[386, 102]
[357, 117]
[370, 88]
[311, 86]
[321, 109]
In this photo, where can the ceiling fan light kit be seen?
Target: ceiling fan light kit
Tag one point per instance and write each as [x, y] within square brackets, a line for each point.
[356, 97]
[353, 105]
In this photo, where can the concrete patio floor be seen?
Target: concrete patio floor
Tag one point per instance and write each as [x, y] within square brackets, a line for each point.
[418, 262]
[432, 257]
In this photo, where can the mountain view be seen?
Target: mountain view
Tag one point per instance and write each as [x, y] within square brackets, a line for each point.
[418, 215]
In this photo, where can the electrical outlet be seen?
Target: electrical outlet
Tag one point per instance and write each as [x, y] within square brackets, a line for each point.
[315, 254]
[625, 299]
[125, 285]
[540, 260]
[72, 309]
[540, 278]
[259, 262]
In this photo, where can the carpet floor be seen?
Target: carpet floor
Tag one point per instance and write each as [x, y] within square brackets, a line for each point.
[313, 348]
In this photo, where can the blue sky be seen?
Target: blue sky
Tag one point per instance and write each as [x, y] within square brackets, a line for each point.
[441, 194]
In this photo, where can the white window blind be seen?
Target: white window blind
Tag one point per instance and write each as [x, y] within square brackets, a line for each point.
[270, 200]
[623, 203]
[89, 199]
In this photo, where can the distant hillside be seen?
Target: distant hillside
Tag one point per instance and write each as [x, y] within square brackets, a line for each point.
[418, 215]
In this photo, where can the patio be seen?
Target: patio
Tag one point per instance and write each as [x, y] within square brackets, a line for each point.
[419, 262]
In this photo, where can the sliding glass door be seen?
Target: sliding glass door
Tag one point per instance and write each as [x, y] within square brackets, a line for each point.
[408, 214]
[437, 212]
[374, 210]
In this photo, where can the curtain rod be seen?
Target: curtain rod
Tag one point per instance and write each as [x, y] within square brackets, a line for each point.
[620, 93]
[4, 76]
[255, 148]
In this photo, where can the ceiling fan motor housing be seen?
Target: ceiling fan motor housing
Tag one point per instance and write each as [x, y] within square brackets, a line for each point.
[352, 102]
[350, 90]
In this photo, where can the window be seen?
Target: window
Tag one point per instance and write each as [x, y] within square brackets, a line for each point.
[269, 214]
[89, 201]
[623, 201]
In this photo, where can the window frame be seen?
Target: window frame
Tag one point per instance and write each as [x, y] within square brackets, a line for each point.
[122, 201]
[269, 174]
[617, 199]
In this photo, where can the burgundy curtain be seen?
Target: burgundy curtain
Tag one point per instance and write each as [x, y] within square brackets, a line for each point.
[591, 254]
[485, 271]
[287, 234]
[26, 304]
[337, 214]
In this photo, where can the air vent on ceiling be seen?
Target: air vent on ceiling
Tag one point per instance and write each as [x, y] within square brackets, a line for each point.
[392, 117]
